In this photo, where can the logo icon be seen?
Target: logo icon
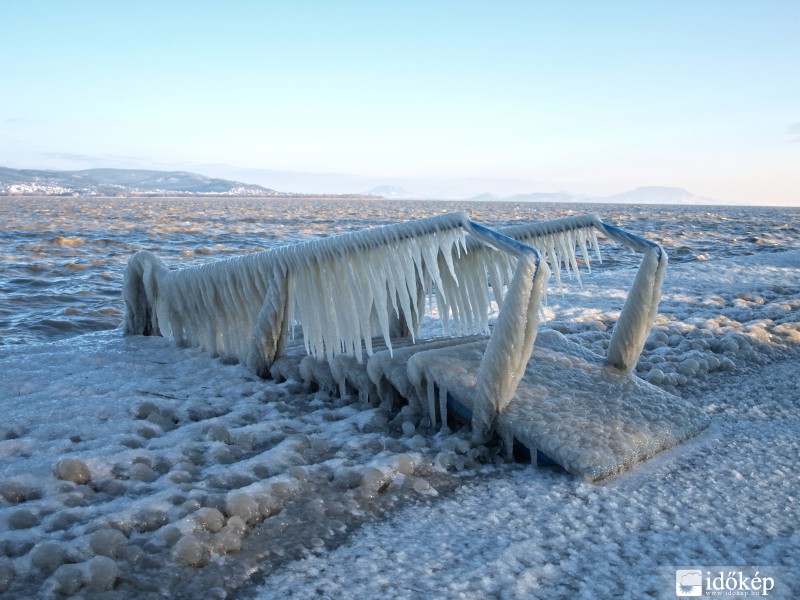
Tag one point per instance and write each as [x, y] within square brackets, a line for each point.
[689, 582]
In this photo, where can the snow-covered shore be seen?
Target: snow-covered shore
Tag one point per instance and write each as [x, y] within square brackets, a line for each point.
[201, 476]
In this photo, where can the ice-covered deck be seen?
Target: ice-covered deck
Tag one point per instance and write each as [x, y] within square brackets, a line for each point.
[570, 407]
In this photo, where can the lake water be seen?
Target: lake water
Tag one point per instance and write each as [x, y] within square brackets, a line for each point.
[62, 260]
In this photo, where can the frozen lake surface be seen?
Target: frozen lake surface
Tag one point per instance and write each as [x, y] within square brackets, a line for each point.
[189, 477]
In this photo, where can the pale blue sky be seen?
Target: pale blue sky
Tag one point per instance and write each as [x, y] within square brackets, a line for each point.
[593, 97]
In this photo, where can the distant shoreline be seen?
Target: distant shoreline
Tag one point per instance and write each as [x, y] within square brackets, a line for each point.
[369, 198]
[185, 196]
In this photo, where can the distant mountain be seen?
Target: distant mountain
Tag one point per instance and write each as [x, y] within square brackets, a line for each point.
[487, 197]
[139, 182]
[656, 195]
[641, 195]
[121, 182]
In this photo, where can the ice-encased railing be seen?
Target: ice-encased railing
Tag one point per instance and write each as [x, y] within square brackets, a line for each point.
[346, 289]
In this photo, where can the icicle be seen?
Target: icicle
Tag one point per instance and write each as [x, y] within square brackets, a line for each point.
[443, 406]
[596, 245]
[584, 253]
[431, 395]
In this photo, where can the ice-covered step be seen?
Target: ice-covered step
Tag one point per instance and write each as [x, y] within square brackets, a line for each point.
[343, 375]
[388, 371]
[570, 406]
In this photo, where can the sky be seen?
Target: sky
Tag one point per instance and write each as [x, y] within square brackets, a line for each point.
[449, 98]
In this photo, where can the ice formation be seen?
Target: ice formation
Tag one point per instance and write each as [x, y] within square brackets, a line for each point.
[346, 290]
[339, 289]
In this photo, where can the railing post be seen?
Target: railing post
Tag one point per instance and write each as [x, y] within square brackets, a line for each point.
[511, 343]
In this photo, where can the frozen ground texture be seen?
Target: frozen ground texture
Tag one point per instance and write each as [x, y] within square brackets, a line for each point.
[193, 478]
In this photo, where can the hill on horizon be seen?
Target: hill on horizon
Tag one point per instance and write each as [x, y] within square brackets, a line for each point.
[148, 182]
[640, 195]
[120, 182]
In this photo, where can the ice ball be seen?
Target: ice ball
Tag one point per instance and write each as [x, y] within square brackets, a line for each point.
[16, 491]
[145, 409]
[23, 519]
[405, 464]
[420, 485]
[190, 551]
[102, 573]
[108, 542]
[218, 433]
[48, 556]
[7, 573]
[150, 519]
[68, 579]
[268, 505]
[73, 469]
[142, 472]
[209, 519]
[226, 541]
[373, 479]
[237, 525]
[655, 376]
[243, 506]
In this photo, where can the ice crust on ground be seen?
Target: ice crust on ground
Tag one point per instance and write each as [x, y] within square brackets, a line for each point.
[726, 339]
[591, 419]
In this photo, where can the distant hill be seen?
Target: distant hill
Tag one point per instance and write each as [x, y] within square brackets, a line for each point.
[121, 182]
[656, 195]
[641, 195]
[485, 197]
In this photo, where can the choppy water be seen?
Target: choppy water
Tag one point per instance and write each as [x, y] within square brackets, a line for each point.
[62, 259]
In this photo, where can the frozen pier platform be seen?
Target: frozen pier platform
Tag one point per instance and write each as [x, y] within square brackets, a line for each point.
[570, 408]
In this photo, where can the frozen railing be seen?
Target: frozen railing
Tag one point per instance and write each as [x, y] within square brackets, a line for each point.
[345, 290]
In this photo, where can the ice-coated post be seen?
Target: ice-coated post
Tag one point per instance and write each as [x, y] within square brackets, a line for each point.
[140, 291]
[639, 311]
[270, 332]
[511, 343]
